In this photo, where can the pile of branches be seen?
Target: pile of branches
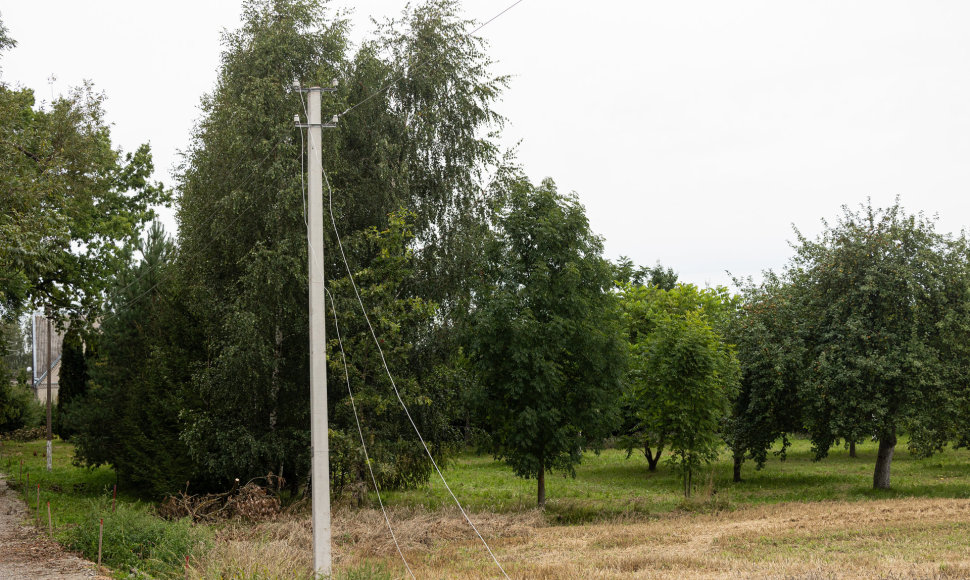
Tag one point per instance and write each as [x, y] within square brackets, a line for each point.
[24, 434]
[258, 500]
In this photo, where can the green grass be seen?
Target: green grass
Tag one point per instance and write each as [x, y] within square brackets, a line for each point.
[80, 497]
[608, 485]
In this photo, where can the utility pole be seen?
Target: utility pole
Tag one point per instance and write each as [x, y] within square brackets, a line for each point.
[50, 371]
[320, 451]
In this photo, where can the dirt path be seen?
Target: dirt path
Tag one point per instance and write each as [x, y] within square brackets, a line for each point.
[26, 553]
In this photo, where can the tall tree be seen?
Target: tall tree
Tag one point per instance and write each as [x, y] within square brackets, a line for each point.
[546, 339]
[129, 415]
[73, 376]
[884, 310]
[421, 145]
[247, 269]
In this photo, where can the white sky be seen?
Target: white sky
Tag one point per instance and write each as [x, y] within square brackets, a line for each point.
[694, 132]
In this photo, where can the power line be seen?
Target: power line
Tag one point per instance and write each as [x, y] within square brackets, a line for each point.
[363, 445]
[387, 87]
[397, 393]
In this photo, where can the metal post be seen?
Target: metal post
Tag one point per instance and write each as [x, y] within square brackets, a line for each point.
[50, 371]
[320, 477]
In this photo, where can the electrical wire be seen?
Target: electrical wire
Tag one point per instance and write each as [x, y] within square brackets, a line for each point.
[343, 355]
[360, 431]
[387, 87]
[397, 393]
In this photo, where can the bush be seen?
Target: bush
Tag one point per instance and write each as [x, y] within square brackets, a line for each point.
[134, 538]
[18, 408]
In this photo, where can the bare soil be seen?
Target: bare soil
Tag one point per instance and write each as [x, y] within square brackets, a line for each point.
[25, 551]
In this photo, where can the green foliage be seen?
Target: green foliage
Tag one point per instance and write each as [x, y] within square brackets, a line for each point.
[18, 407]
[135, 538]
[243, 253]
[767, 406]
[422, 146]
[870, 322]
[403, 324]
[73, 379]
[626, 272]
[129, 416]
[70, 201]
[682, 372]
[546, 340]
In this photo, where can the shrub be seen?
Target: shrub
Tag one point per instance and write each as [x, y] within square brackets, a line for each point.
[18, 408]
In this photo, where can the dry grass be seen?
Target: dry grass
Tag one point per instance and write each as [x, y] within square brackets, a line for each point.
[891, 539]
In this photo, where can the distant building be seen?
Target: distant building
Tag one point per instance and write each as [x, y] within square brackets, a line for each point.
[42, 365]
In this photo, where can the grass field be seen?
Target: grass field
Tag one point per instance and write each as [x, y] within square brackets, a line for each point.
[794, 519]
[608, 485]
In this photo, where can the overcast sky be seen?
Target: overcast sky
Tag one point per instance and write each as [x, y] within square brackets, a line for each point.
[695, 133]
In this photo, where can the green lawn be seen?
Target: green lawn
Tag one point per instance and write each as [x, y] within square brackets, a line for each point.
[68, 488]
[609, 485]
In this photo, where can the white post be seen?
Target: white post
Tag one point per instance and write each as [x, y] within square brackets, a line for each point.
[50, 371]
[320, 474]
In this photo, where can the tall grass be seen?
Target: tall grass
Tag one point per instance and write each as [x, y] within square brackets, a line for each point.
[136, 539]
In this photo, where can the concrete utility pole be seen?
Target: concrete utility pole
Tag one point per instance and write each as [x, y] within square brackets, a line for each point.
[320, 468]
[50, 371]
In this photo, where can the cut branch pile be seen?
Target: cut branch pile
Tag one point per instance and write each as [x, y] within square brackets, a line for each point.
[252, 502]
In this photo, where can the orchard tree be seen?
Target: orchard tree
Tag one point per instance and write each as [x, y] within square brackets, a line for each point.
[682, 373]
[883, 307]
[546, 338]
[770, 350]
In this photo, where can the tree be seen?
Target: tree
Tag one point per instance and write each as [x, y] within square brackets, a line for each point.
[626, 272]
[546, 336]
[770, 350]
[422, 146]
[73, 377]
[243, 246]
[403, 323]
[682, 372]
[883, 302]
[128, 416]
[70, 202]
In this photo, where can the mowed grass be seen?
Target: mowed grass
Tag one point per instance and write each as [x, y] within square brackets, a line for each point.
[69, 489]
[608, 485]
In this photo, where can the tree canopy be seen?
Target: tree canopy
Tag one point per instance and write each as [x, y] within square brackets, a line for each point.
[682, 372]
[546, 335]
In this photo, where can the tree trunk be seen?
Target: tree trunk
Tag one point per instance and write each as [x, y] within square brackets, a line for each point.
[652, 459]
[887, 445]
[541, 479]
[852, 449]
[738, 460]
